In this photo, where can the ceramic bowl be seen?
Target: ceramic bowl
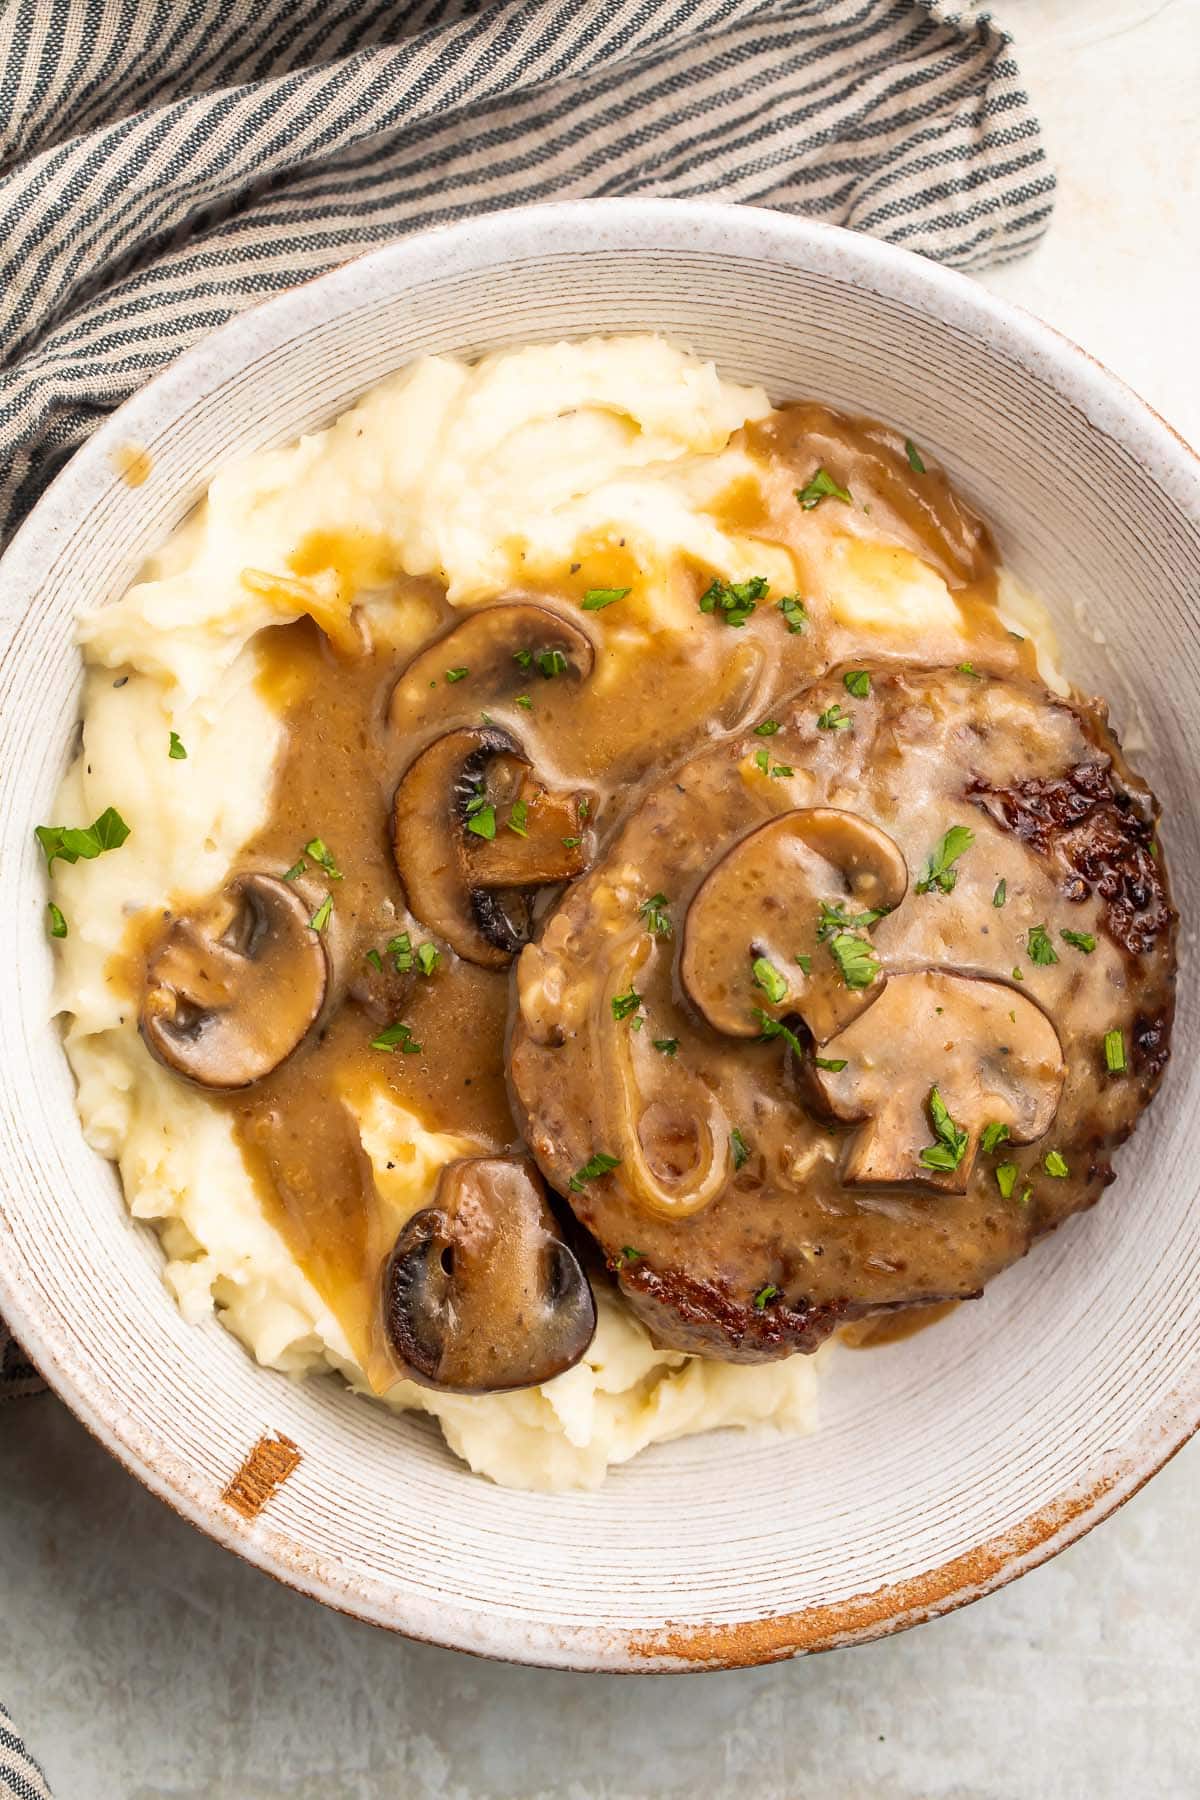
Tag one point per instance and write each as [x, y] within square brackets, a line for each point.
[944, 1465]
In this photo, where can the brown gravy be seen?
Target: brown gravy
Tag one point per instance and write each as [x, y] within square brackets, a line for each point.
[664, 695]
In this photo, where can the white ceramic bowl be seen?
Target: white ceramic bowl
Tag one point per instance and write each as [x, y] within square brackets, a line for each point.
[944, 1465]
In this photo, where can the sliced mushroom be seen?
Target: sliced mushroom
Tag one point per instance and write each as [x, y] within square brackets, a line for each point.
[481, 1293]
[502, 650]
[471, 889]
[233, 988]
[992, 1055]
[763, 900]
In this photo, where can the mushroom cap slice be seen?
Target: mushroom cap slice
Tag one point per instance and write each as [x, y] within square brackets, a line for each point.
[763, 899]
[993, 1056]
[233, 987]
[487, 643]
[470, 889]
[481, 1293]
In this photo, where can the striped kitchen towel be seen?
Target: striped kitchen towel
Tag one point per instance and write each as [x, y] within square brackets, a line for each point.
[20, 1777]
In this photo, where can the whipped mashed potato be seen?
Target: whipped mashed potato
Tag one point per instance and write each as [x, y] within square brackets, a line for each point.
[480, 479]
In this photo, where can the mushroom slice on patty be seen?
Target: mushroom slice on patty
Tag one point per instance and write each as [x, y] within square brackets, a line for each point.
[991, 1056]
[481, 1293]
[500, 649]
[816, 875]
[473, 833]
[233, 987]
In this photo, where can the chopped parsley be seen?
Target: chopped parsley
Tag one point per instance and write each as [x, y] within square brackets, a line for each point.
[175, 749]
[667, 1046]
[453, 675]
[1041, 950]
[1006, 1178]
[401, 952]
[773, 1028]
[375, 960]
[1055, 1164]
[297, 869]
[1079, 940]
[793, 610]
[855, 958]
[833, 1064]
[763, 762]
[397, 1037]
[765, 1295]
[551, 663]
[939, 871]
[857, 682]
[518, 813]
[993, 1136]
[768, 728]
[767, 977]
[585, 807]
[320, 918]
[428, 958]
[821, 487]
[914, 457]
[1114, 1046]
[1017, 974]
[805, 963]
[835, 918]
[834, 719]
[596, 599]
[734, 601]
[572, 843]
[629, 1254]
[595, 1166]
[523, 657]
[481, 815]
[1001, 893]
[69, 843]
[56, 925]
[653, 912]
[969, 669]
[626, 1003]
[741, 1149]
[524, 701]
[952, 1140]
[783, 770]
[318, 851]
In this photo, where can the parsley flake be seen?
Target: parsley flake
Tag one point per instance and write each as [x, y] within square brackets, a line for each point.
[297, 869]
[765, 1295]
[481, 820]
[175, 749]
[1041, 950]
[629, 1254]
[834, 719]
[969, 669]
[855, 958]
[653, 912]
[783, 771]
[805, 963]
[794, 613]
[773, 1028]
[939, 871]
[56, 925]
[952, 1140]
[318, 851]
[70, 843]
[1079, 940]
[993, 1136]
[428, 958]
[833, 1064]
[397, 1037]
[596, 599]
[523, 701]
[1114, 1050]
[1006, 1178]
[1055, 1164]
[453, 675]
[595, 1166]
[551, 663]
[523, 657]
[666, 1046]
[914, 457]
[375, 960]
[762, 760]
[517, 815]
[768, 728]
[821, 487]
[741, 1149]
[857, 682]
[1001, 893]
[767, 977]
[626, 1003]
[320, 918]
[734, 601]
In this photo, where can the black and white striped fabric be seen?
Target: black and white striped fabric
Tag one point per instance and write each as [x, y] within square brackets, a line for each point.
[165, 163]
[20, 1777]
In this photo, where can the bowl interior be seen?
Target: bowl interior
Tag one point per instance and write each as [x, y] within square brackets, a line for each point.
[943, 1464]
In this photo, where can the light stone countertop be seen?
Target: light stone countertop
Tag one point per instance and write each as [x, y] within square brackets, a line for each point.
[145, 1662]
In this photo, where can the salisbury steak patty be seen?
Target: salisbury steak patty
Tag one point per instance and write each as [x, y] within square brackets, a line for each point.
[856, 1007]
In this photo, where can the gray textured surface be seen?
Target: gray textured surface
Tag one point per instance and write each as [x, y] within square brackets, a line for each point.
[144, 1662]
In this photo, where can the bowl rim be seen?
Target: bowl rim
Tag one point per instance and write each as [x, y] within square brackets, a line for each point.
[666, 226]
